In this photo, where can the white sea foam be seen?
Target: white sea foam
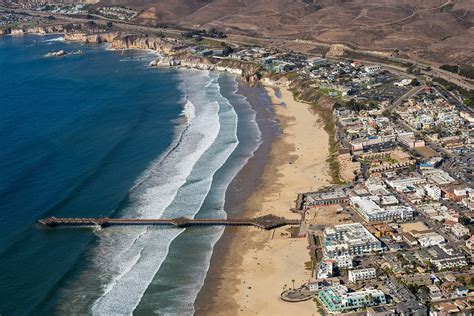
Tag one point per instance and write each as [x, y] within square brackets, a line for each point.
[189, 111]
[55, 39]
[174, 185]
[127, 259]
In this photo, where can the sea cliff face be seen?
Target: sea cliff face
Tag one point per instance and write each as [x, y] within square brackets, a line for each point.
[90, 38]
[128, 41]
[250, 72]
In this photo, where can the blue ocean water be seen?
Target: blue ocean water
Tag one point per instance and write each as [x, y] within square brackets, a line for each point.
[101, 134]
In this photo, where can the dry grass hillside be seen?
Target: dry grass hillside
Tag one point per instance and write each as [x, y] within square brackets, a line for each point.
[440, 30]
[435, 29]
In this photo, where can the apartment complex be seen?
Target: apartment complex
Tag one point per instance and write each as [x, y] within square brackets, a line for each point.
[337, 299]
[362, 274]
[349, 239]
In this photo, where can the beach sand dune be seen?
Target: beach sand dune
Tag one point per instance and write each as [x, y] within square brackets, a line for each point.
[260, 264]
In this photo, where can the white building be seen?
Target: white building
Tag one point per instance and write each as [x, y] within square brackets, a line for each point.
[435, 292]
[362, 274]
[402, 183]
[433, 191]
[438, 176]
[446, 258]
[344, 262]
[372, 212]
[338, 299]
[325, 269]
[349, 239]
[372, 69]
[460, 230]
[430, 239]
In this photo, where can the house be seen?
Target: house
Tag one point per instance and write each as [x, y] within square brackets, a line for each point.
[456, 192]
[411, 308]
[445, 258]
[434, 292]
[470, 244]
[381, 310]
[462, 291]
[451, 215]
[459, 230]
[447, 308]
[420, 279]
[409, 239]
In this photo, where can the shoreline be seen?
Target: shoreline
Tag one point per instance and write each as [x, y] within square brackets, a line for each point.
[249, 268]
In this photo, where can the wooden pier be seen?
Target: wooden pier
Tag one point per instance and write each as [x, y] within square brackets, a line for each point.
[263, 222]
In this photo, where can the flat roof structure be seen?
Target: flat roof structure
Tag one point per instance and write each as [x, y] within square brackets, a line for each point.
[349, 239]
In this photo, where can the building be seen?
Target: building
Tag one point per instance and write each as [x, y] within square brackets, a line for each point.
[428, 239]
[325, 269]
[337, 299]
[409, 140]
[314, 199]
[381, 310]
[371, 212]
[446, 258]
[362, 275]
[459, 230]
[470, 244]
[402, 183]
[411, 308]
[433, 192]
[434, 292]
[438, 176]
[349, 239]
[456, 193]
[372, 69]
[344, 262]
[420, 279]
[462, 291]
[319, 284]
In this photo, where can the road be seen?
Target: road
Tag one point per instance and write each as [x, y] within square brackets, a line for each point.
[412, 92]
[282, 43]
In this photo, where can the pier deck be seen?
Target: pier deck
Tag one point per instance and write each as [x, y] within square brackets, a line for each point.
[263, 222]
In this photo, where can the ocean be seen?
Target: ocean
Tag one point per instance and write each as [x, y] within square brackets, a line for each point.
[102, 134]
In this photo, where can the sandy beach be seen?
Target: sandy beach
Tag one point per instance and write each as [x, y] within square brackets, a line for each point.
[258, 265]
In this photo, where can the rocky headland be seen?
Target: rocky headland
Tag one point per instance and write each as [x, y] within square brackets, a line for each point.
[250, 72]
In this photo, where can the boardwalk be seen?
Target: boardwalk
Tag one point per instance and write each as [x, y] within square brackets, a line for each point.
[264, 222]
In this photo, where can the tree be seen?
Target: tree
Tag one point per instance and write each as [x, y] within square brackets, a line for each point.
[415, 82]
[464, 220]
[109, 24]
[227, 50]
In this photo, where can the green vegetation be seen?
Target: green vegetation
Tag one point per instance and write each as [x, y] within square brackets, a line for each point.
[465, 71]
[304, 91]
[464, 220]
[467, 95]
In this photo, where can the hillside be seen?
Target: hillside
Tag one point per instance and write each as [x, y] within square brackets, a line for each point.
[440, 30]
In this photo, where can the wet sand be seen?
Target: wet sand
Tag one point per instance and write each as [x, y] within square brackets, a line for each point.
[250, 267]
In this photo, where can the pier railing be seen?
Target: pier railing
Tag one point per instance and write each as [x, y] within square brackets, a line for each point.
[263, 222]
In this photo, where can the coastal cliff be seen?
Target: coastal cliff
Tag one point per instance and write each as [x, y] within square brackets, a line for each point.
[127, 41]
[250, 72]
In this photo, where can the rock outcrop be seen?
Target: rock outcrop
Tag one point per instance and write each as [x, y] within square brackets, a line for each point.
[127, 41]
[250, 72]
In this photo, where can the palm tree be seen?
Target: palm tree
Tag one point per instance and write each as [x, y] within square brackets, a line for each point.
[293, 281]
